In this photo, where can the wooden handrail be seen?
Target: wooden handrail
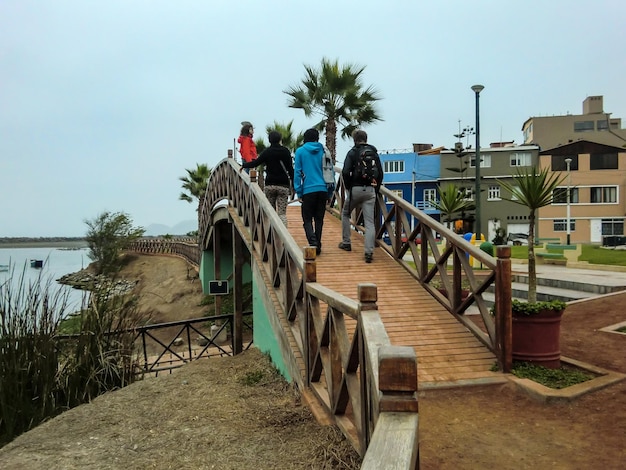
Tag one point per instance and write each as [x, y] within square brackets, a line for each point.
[330, 329]
[184, 247]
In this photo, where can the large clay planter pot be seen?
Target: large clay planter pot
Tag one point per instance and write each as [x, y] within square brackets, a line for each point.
[536, 338]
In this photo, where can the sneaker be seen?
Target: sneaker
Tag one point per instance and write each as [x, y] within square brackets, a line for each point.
[345, 246]
[369, 257]
[318, 250]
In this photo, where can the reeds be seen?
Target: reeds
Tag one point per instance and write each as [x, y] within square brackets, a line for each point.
[43, 373]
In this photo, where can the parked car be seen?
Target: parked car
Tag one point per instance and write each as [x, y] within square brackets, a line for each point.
[517, 239]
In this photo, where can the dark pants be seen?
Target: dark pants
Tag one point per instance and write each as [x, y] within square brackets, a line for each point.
[313, 210]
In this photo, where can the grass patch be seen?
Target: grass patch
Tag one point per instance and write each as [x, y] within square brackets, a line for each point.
[597, 255]
[70, 325]
[252, 378]
[621, 329]
[552, 378]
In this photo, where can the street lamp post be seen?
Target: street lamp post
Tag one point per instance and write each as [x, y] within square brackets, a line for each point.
[477, 89]
[568, 161]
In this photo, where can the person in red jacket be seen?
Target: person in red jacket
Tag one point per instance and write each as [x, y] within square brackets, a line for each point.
[247, 147]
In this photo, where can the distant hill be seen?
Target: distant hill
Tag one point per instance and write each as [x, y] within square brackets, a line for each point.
[181, 228]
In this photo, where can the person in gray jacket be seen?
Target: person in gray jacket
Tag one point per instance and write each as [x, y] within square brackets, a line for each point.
[362, 174]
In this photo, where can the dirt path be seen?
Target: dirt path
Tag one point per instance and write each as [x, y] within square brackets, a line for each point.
[197, 418]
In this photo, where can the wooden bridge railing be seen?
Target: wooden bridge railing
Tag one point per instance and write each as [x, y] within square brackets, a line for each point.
[368, 385]
[447, 264]
[185, 247]
[338, 338]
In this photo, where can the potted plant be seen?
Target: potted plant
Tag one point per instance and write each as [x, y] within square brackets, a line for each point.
[535, 325]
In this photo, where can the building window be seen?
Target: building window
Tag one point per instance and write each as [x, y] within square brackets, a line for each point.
[583, 126]
[493, 193]
[603, 195]
[485, 161]
[602, 125]
[560, 225]
[394, 166]
[521, 159]
[558, 162]
[396, 192]
[559, 196]
[430, 197]
[513, 194]
[467, 193]
[603, 161]
[612, 226]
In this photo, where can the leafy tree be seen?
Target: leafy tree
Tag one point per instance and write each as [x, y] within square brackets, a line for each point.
[195, 185]
[452, 200]
[108, 235]
[336, 94]
[534, 189]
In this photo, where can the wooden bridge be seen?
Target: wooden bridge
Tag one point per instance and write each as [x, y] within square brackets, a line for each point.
[448, 354]
[360, 339]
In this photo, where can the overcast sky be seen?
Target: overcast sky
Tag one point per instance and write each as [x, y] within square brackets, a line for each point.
[104, 104]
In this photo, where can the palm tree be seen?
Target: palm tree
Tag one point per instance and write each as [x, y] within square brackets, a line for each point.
[289, 140]
[534, 189]
[336, 93]
[452, 200]
[195, 185]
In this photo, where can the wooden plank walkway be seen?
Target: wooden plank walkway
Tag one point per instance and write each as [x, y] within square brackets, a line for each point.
[447, 353]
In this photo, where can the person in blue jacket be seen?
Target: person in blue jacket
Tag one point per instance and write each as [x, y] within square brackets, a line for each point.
[310, 187]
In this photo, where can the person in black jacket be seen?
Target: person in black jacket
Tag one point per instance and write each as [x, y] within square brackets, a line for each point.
[278, 173]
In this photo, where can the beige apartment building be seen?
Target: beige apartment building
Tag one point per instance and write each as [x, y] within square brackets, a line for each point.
[594, 125]
[597, 183]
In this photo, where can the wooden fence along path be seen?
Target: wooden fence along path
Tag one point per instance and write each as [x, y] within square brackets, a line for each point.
[447, 352]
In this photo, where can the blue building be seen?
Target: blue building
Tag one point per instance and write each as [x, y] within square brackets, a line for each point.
[413, 176]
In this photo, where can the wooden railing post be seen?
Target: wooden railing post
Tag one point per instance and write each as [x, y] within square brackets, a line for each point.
[310, 268]
[503, 308]
[395, 441]
[397, 369]
[368, 296]
[253, 175]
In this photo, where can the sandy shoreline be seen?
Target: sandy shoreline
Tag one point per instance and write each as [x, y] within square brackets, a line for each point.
[44, 243]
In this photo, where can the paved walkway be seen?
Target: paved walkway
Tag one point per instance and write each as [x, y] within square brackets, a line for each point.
[603, 275]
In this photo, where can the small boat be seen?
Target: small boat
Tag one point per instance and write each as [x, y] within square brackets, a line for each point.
[36, 263]
[4, 268]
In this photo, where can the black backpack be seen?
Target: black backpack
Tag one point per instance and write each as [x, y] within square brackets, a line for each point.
[365, 169]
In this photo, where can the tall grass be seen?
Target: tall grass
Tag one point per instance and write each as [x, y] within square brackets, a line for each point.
[101, 357]
[29, 314]
[42, 373]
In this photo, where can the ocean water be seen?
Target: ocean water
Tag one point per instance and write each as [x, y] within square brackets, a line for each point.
[56, 263]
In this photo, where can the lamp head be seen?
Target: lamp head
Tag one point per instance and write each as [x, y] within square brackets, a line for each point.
[568, 160]
[477, 88]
